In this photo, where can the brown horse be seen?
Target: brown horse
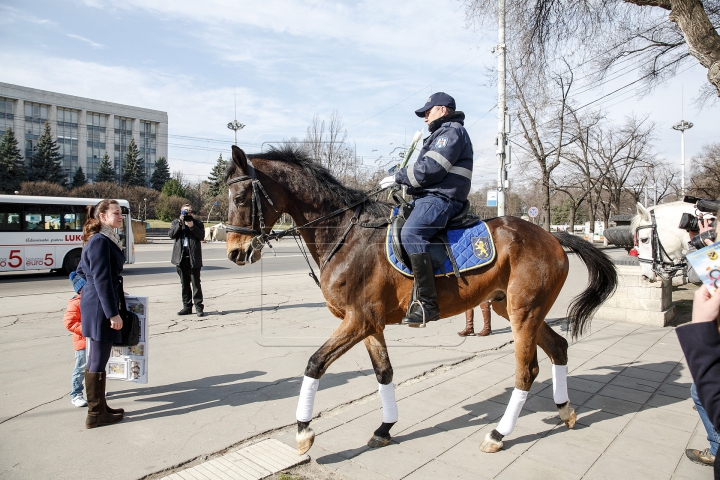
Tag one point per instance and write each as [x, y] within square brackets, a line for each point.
[366, 293]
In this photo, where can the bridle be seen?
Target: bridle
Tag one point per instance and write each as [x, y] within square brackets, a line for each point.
[262, 238]
[662, 268]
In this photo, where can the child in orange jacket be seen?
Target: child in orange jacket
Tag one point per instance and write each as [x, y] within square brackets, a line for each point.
[72, 323]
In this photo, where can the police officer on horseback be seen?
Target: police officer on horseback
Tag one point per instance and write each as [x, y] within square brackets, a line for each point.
[439, 182]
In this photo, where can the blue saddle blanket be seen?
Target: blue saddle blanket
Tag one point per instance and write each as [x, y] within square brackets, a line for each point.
[472, 248]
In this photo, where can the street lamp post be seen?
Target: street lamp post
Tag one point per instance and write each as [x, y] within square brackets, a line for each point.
[681, 127]
[145, 211]
[235, 126]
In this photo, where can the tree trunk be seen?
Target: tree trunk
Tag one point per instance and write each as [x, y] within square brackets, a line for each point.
[546, 199]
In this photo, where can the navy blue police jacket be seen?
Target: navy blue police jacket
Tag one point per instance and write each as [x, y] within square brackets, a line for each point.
[100, 264]
[444, 165]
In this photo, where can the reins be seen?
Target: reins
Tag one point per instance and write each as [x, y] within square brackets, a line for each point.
[261, 238]
[664, 269]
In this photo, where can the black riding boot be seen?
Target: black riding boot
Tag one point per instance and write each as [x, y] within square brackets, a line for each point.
[423, 304]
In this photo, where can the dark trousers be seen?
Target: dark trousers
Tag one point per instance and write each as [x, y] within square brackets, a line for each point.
[190, 276]
[99, 355]
[430, 215]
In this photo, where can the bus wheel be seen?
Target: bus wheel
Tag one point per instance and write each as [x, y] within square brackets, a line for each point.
[72, 260]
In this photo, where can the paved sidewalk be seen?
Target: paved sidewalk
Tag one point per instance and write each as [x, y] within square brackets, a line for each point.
[628, 383]
[231, 379]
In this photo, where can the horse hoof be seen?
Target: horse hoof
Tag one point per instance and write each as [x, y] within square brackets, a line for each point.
[377, 441]
[567, 415]
[305, 440]
[489, 445]
[570, 422]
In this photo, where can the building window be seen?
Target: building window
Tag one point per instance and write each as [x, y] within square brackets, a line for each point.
[67, 139]
[7, 117]
[35, 117]
[148, 146]
[96, 138]
[123, 134]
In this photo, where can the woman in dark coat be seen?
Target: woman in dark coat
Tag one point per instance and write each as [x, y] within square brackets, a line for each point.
[101, 263]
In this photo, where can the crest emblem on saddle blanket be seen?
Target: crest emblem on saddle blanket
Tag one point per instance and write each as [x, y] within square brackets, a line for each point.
[481, 247]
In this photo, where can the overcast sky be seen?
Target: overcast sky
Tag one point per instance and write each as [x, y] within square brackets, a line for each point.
[372, 61]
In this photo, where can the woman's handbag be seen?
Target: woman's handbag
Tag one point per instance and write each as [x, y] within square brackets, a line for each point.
[131, 324]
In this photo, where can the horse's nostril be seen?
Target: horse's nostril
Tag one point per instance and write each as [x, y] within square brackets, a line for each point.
[233, 255]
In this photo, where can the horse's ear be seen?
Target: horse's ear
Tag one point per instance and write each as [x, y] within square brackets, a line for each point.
[239, 158]
[643, 212]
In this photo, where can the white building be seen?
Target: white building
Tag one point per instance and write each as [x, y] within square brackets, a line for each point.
[84, 128]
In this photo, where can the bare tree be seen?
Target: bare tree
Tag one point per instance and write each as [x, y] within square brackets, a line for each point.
[656, 36]
[542, 120]
[618, 150]
[705, 179]
[580, 164]
[666, 182]
[327, 144]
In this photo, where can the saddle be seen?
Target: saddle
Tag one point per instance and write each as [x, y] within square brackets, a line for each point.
[464, 232]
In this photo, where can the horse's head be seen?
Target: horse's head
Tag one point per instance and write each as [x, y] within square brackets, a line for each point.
[251, 213]
[660, 240]
[643, 241]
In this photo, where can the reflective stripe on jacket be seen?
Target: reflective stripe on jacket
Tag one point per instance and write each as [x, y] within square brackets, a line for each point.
[445, 163]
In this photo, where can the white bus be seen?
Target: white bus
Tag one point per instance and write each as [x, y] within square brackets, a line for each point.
[46, 232]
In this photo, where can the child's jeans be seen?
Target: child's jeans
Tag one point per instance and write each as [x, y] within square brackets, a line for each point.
[78, 374]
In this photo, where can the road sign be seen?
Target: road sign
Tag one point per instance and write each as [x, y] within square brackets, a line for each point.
[533, 212]
[492, 198]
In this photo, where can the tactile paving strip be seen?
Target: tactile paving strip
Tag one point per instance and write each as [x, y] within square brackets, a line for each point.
[250, 463]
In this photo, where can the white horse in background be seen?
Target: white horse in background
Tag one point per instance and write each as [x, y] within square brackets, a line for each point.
[660, 244]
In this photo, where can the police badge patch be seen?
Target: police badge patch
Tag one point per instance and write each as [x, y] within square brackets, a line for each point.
[481, 247]
[441, 142]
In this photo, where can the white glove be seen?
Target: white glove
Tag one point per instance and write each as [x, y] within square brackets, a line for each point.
[387, 181]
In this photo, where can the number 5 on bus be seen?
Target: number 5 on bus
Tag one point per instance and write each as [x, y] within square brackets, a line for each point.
[46, 232]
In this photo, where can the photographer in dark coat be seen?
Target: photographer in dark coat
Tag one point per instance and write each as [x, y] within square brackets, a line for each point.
[188, 232]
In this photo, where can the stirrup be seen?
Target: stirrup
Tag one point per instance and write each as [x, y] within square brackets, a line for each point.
[416, 325]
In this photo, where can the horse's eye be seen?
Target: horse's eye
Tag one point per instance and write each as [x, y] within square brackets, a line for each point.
[238, 201]
[644, 240]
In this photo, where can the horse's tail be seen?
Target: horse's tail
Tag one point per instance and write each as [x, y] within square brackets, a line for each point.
[603, 282]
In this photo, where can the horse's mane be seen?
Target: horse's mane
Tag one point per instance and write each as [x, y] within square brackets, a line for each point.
[318, 177]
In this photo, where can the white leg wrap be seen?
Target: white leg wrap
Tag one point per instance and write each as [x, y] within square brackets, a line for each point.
[512, 412]
[560, 393]
[306, 401]
[389, 405]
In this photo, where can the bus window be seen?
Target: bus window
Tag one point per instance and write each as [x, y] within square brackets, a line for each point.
[9, 221]
[33, 221]
[52, 221]
[73, 221]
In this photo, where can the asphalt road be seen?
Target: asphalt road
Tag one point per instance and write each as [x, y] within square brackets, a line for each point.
[152, 267]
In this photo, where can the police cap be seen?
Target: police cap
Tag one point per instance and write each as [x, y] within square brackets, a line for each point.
[439, 99]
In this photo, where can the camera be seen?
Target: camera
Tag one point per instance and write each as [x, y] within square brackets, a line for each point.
[183, 212]
[698, 241]
[703, 227]
[689, 223]
[703, 204]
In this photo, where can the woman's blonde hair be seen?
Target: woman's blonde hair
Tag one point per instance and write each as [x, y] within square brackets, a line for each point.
[92, 222]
